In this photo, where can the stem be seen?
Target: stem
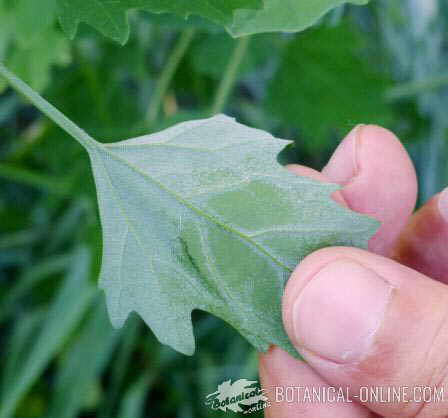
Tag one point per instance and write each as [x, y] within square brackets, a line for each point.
[168, 72]
[48, 109]
[416, 87]
[228, 81]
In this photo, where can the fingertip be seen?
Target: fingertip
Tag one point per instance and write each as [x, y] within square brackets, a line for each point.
[379, 180]
[343, 165]
[337, 261]
[303, 274]
[370, 149]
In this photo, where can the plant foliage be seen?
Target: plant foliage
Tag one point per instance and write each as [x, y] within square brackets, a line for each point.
[327, 92]
[202, 216]
[53, 328]
[240, 17]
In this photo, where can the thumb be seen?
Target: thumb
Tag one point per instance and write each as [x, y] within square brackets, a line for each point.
[370, 324]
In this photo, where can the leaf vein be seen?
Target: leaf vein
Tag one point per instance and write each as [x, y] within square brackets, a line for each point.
[198, 211]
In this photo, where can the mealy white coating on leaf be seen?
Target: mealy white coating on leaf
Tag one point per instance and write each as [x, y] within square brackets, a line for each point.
[201, 216]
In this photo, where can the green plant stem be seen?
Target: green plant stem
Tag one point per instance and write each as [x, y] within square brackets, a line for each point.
[414, 88]
[167, 74]
[228, 81]
[48, 109]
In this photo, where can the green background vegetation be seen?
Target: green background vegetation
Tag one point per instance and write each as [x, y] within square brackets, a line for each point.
[385, 63]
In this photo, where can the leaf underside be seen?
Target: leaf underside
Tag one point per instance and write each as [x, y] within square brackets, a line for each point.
[239, 17]
[201, 216]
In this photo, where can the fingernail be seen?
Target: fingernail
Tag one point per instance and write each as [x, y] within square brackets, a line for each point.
[443, 204]
[339, 311]
[343, 166]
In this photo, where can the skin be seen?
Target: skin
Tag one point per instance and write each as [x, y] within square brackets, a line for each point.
[384, 322]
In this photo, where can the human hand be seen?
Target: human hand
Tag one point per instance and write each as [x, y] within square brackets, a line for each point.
[376, 319]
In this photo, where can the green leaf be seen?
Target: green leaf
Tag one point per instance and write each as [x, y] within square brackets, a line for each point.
[61, 319]
[240, 17]
[17, 347]
[201, 216]
[133, 404]
[324, 86]
[109, 17]
[34, 275]
[121, 365]
[32, 47]
[283, 16]
[74, 379]
[34, 62]
[27, 26]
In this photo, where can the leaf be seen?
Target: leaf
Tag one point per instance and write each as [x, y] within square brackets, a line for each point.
[283, 16]
[121, 365]
[63, 316]
[201, 216]
[324, 86]
[74, 379]
[31, 46]
[27, 26]
[17, 346]
[239, 17]
[133, 403]
[109, 17]
[34, 62]
[34, 275]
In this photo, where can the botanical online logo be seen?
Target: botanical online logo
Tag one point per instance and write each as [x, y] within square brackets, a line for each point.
[240, 396]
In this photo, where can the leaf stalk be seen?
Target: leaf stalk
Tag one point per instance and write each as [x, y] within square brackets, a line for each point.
[48, 109]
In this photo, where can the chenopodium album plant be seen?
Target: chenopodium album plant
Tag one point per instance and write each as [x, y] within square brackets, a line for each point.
[202, 216]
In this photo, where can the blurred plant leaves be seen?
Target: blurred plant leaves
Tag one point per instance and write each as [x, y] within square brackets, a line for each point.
[26, 24]
[211, 53]
[283, 16]
[189, 222]
[240, 17]
[33, 62]
[325, 86]
[34, 276]
[107, 91]
[133, 404]
[31, 46]
[93, 347]
[63, 316]
[111, 20]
